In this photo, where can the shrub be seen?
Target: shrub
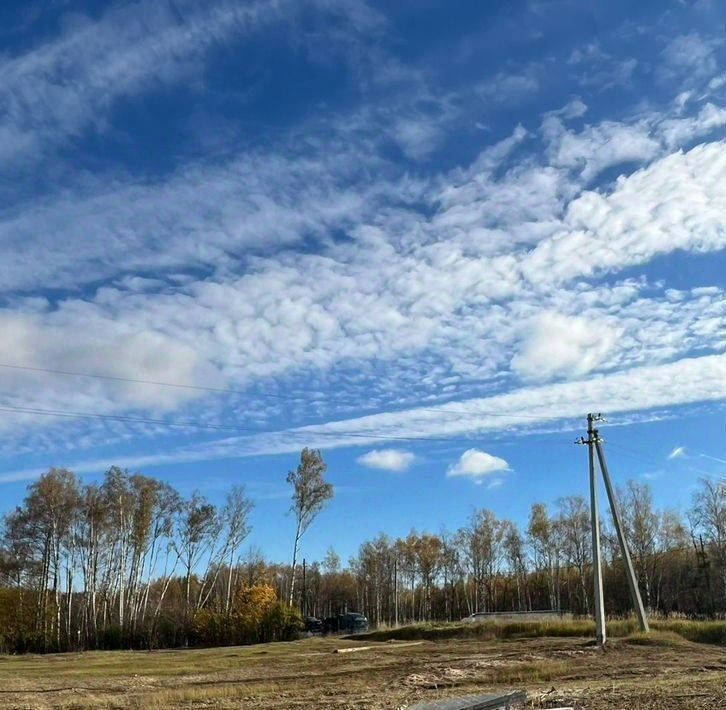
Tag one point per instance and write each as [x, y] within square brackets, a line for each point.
[256, 616]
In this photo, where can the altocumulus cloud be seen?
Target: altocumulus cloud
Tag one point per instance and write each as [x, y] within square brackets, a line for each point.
[477, 464]
[560, 345]
[387, 459]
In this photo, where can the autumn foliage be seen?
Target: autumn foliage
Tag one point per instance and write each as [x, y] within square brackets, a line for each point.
[256, 616]
[131, 563]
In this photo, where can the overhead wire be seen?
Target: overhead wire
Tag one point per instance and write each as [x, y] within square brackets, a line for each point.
[306, 429]
[624, 451]
[134, 380]
[217, 427]
[441, 409]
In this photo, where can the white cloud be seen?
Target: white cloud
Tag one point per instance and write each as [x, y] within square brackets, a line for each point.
[681, 131]
[63, 86]
[598, 147]
[69, 84]
[85, 342]
[431, 282]
[638, 390]
[576, 108]
[675, 203]
[454, 297]
[596, 68]
[200, 216]
[418, 137]
[689, 55]
[509, 87]
[387, 459]
[557, 345]
[678, 453]
[476, 464]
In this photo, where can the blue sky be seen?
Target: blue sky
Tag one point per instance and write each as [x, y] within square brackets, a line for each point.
[427, 237]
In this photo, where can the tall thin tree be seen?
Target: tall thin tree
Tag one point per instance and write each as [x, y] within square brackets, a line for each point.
[310, 493]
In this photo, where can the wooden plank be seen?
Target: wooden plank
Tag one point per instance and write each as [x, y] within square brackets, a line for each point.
[385, 647]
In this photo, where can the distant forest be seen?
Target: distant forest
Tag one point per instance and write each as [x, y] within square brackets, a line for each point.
[130, 563]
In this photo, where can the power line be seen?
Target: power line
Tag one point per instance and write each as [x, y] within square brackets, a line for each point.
[216, 427]
[630, 453]
[133, 380]
[117, 417]
[227, 390]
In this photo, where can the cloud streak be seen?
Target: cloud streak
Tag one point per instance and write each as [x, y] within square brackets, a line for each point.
[62, 87]
[638, 390]
[67, 86]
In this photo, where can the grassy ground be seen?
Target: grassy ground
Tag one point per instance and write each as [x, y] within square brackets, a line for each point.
[698, 631]
[663, 670]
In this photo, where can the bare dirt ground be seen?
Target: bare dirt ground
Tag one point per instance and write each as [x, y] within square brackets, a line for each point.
[659, 673]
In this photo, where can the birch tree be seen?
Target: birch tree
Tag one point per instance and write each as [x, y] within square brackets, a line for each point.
[574, 523]
[310, 494]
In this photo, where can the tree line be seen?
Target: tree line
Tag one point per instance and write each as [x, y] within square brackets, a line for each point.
[131, 563]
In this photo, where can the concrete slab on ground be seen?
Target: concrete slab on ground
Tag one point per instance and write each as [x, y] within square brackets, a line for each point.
[500, 701]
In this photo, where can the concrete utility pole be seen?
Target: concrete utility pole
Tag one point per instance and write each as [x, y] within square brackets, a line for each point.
[594, 445]
[629, 571]
[395, 591]
[601, 633]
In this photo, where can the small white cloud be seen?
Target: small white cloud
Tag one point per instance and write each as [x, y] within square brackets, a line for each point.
[476, 464]
[678, 453]
[417, 137]
[387, 459]
[495, 483]
[574, 109]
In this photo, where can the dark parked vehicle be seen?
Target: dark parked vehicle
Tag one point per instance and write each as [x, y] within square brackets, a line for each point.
[350, 623]
[313, 625]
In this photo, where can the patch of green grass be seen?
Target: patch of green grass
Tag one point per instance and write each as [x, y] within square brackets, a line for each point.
[485, 631]
[711, 632]
[666, 639]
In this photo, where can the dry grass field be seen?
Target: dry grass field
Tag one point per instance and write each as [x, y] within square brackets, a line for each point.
[663, 671]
